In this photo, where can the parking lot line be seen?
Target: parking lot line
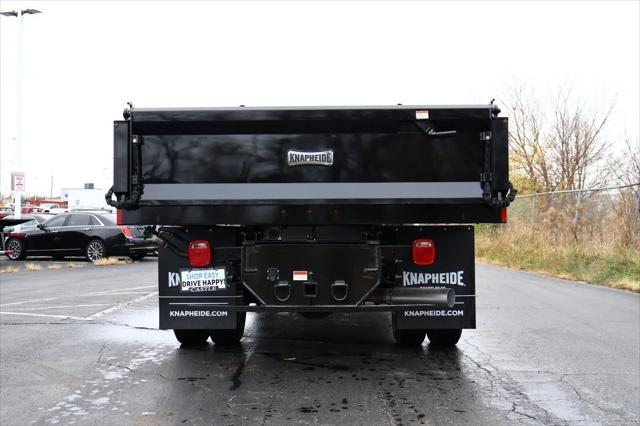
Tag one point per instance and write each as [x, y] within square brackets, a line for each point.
[28, 301]
[114, 294]
[30, 314]
[120, 306]
[66, 306]
[120, 289]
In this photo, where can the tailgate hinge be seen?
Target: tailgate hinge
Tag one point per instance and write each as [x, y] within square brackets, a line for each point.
[490, 197]
[486, 177]
[130, 201]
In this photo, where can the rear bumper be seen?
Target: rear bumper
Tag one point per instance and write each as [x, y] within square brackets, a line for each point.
[142, 247]
[215, 314]
[133, 246]
[319, 308]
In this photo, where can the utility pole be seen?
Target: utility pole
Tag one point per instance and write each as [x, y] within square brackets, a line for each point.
[17, 163]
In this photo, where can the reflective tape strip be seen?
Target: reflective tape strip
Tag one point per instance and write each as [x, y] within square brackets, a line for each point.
[311, 191]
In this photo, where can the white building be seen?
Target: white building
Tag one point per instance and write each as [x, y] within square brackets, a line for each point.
[85, 198]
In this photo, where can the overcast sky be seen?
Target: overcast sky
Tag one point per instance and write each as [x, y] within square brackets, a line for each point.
[84, 60]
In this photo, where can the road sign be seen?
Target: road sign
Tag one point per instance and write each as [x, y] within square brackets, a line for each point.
[17, 181]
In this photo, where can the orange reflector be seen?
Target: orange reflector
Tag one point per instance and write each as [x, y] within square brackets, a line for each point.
[300, 276]
[199, 253]
[503, 215]
[424, 251]
[126, 231]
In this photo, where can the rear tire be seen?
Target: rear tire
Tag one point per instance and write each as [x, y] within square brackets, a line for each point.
[444, 338]
[16, 246]
[96, 250]
[192, 337]
[230, 336]
[406, 337]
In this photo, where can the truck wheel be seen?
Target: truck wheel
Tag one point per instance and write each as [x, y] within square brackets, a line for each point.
[230, 336]
[406, 337]
[15, 249]
[191, 337]
[444, 338]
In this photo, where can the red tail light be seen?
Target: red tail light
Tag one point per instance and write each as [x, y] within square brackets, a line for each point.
[118, 217]
[424, 251]
[126, 231]
[199, 253]
[503, 215]
[16, 234]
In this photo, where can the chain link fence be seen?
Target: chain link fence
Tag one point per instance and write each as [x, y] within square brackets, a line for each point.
[602, 216]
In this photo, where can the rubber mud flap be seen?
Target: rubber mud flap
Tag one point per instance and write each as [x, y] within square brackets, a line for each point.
[191, 314]
[194, 298]
[453, 267]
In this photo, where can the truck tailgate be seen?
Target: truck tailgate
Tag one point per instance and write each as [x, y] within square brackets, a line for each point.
[418, 164]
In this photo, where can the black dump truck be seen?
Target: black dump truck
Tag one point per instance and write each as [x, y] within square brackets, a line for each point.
[313, 210]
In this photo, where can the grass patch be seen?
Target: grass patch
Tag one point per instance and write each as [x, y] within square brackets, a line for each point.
[54, 267]
[32, 267]
[9, 270]
[107, 261]
[533, 250]
[74, 265]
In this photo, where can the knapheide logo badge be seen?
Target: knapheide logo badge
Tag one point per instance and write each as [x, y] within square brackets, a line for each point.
[313, 158]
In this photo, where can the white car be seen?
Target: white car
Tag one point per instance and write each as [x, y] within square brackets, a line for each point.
[47, 207]
[58, 210]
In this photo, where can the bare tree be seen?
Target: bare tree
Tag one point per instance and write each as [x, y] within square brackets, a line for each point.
[556, 145]
[626, 170]
[577, 147]
[527, 143]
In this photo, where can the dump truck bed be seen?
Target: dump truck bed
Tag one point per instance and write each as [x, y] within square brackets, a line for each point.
[311, 165]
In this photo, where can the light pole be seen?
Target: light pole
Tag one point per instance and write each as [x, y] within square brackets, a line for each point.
[17, 164]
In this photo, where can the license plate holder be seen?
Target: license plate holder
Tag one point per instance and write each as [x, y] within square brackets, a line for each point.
[203, 279]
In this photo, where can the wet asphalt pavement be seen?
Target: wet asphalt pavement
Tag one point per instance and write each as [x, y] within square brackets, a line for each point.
[80, 346]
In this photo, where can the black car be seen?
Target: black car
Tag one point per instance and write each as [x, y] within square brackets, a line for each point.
[90, 234]
[35, 219]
